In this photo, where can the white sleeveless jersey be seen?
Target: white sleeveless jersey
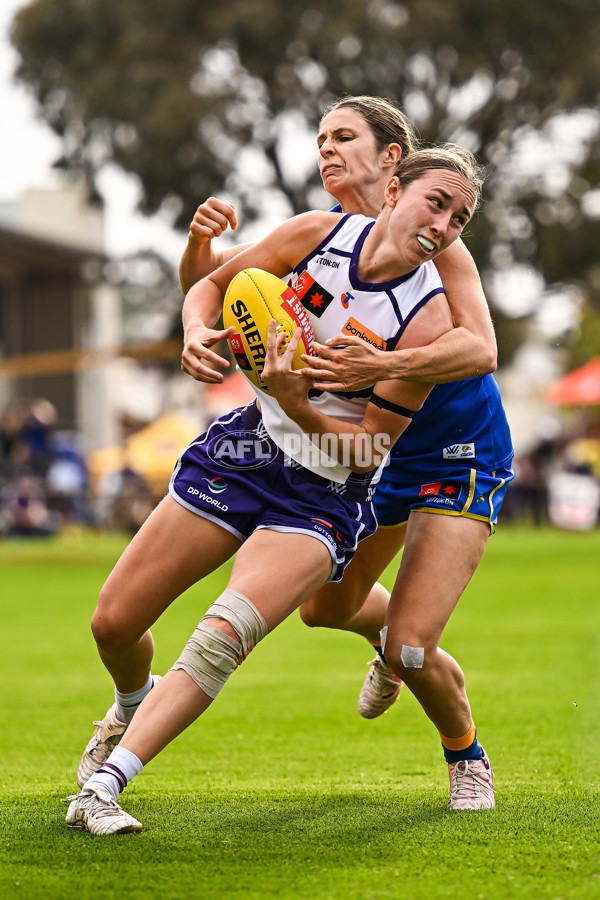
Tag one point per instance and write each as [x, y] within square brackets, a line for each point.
[338, 302]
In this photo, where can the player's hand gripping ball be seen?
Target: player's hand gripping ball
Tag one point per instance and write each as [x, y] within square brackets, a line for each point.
[253, 298]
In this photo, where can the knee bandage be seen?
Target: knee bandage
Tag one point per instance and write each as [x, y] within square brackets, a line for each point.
[243, 617]
[210, 655]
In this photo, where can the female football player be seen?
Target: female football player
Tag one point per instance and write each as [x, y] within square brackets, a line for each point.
[441, 494]
[274, 513]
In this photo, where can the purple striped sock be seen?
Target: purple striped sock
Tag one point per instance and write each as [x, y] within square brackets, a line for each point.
[115, 774]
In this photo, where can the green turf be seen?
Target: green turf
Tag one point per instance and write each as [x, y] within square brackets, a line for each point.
[282, 790]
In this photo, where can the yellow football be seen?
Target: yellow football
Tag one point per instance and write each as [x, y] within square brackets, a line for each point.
[253, 298]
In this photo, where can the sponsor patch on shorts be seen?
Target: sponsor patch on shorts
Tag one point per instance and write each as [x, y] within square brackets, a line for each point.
[442, 492]
[463, 492]
[333, 537]
[459, 451]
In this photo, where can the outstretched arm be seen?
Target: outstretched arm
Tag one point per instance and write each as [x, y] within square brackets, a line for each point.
[199, 259]
[201, 310]
[465, 351]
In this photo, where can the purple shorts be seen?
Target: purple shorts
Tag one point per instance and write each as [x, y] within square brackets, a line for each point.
[234, 475]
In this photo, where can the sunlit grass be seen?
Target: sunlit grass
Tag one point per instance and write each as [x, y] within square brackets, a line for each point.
[282, 790]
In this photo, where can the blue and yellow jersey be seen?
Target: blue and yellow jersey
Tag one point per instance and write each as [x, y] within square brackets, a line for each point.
[460, 423]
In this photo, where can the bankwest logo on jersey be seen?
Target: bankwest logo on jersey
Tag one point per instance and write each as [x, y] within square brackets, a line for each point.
[356, 328]
[459, 451]
[314, 297]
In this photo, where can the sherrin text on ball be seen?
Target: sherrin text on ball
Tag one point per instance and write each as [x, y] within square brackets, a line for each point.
[253, 298]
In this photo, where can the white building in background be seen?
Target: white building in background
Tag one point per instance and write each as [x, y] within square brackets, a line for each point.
[55, 305]
[61, 323]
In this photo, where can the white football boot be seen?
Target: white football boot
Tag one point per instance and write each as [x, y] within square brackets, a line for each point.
[381, 688]
[472, 784]
[95, 810]
[105, 738]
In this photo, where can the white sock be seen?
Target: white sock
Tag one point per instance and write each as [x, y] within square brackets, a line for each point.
[121, 766]
[128, 703]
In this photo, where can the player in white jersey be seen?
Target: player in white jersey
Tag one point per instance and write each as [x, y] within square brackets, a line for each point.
[427, 203]
[454, 460]
[327, 282]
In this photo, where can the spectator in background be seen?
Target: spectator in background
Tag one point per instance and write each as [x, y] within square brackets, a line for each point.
[43, 473]
[530, 489]
[36, 432]
[24, 511]
[12, 449]
[25, 431]
[124, 500]
[67, 479]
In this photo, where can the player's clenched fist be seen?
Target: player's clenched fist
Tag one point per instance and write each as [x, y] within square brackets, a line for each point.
[211, 219]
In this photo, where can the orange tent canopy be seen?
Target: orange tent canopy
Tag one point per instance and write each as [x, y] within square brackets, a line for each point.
[152, 451]
[581, 387]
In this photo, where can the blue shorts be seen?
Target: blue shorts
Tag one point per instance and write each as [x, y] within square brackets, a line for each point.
[456, 491]
[236, 476]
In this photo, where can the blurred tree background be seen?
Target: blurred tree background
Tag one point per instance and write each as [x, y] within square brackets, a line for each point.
[198, 98]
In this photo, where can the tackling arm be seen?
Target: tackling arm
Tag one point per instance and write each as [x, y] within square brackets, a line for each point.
[473, 333]
[464, 351]
[362, 446]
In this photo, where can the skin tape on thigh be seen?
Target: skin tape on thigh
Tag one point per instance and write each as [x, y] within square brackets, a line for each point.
[383, 636]
[412, 657]
[243, 617]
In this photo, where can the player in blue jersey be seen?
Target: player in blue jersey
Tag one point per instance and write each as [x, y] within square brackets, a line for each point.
[439, 498]
[453, 461]
[429, 199]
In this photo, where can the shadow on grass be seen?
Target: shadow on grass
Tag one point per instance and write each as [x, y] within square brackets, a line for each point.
[310, 844]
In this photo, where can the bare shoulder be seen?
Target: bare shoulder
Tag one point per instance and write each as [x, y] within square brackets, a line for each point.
[300, 234]
[428, 324]
[456, 260]
[315, 220]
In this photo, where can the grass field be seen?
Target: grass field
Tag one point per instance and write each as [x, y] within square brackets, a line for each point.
[282, 790]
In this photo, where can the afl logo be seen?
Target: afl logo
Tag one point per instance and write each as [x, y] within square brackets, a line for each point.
[346, 298]
[240, 450]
